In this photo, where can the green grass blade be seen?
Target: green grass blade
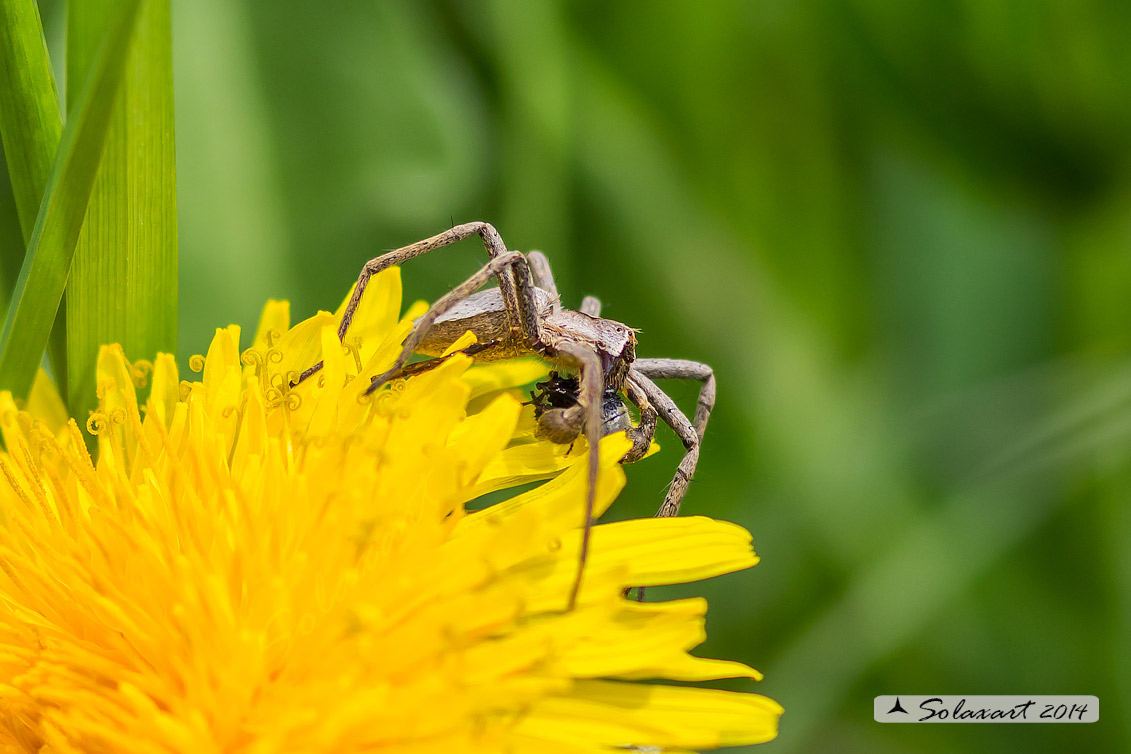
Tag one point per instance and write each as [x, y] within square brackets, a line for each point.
[29, 107]
[123, 285]
[12, 246]
[31, 127]
[43, 274]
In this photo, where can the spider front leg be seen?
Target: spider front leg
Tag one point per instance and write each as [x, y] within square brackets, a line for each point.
[689, 432]
[642, 434]
[543, 277]
[681, 369]
[492, 241]
[420, 330]
[533, 271]
[592, 387]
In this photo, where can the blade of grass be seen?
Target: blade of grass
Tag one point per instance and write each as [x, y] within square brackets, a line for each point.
[30, 126]
[29, 107]
[12, 244]
[123, 285]
[43, 274]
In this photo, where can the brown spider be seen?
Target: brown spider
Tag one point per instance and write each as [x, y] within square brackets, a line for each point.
[523, 316]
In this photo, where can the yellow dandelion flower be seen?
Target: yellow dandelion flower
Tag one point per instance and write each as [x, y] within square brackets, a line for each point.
[255, 566]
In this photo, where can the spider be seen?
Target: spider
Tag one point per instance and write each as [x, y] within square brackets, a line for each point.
[524, 316]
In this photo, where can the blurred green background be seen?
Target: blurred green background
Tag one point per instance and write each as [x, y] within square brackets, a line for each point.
[900, 232]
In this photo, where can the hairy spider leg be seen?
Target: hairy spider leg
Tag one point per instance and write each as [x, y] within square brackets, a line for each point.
[544, 276]
[427, 365]
[592, 389]
[441, 306]
[591, 305]
[645, 429]
[689, 432]
[492, 242]
[643, 393]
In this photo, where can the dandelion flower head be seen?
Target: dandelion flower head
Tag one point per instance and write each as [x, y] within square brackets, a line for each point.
[252, 565]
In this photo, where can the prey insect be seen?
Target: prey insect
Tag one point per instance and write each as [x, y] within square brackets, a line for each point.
[523, 316]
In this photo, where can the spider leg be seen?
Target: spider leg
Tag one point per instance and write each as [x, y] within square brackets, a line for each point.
[522, 312]
[427, 365]
[528, 316]
[491, 241]
[642, 434]
[492, 269]
[689, 432]
[591, 305]
[525, 317]
[589, 398]
[543, 276]
[681, 369]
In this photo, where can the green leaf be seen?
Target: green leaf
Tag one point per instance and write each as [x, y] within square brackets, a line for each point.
[29, 107]
[123, 285]
[31, 127]
[54, 236]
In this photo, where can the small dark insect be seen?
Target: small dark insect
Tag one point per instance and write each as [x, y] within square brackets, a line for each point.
[562, 392]
[523, 316]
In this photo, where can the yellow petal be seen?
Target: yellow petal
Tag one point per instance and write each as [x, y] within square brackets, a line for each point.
[657, 716]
